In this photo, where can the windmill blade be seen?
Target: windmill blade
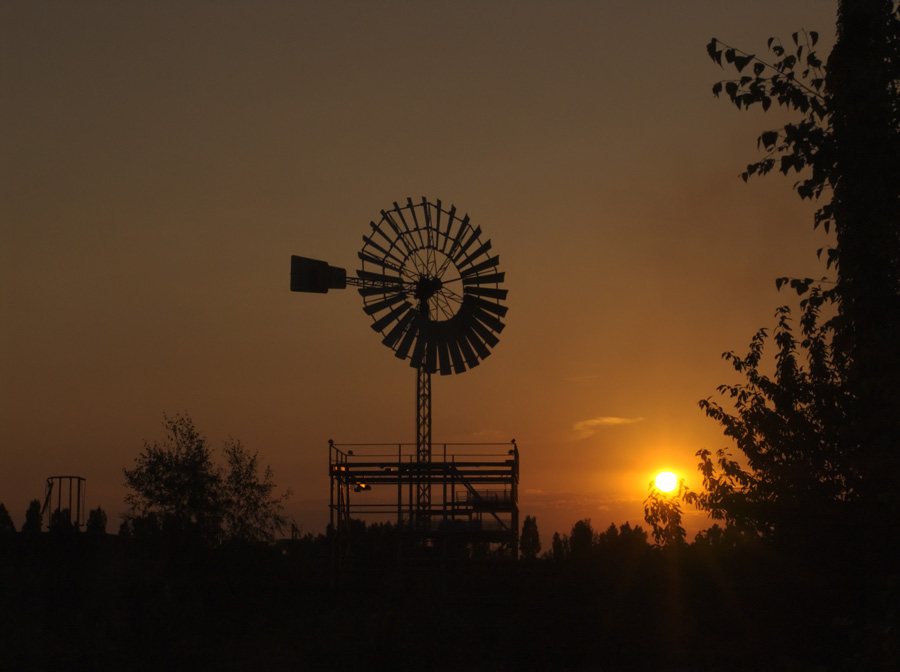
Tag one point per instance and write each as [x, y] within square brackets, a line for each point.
[412, 210]
[399, 235]
[467, 352]
[472, 257]
[378, 306]
[384, 263]
[490, 262]
[409, 338]
[486, 335]
[391, 240]
[399, 212]
[456, 357]
[489, 292]
[489, 321]
[494, 278]
[381, 324]
[417, 358]
[460, 249]
[464, 228]
[387, 254]
[385, 217]
[463, 225]
[446, 235]
[426, 212]
[432, 230]
[445, 364]
[393, 336]
[477, 344]
[489, 306]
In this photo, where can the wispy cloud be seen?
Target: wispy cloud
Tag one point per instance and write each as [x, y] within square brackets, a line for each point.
[586, 428]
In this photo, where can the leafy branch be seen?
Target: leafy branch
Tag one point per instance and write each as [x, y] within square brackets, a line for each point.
[796, 146]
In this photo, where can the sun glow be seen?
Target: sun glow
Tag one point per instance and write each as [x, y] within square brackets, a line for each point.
[666, 481]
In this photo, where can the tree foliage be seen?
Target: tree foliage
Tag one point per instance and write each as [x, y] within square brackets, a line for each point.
[581, 538]
[252, 511]
[786, 428]
[530, 541]
[7, 527]
[96, 522]
[176, 487]
[817, 439]
[176, 483]
[662, 511]
[61, 522]
[559, 549]
[33, 518]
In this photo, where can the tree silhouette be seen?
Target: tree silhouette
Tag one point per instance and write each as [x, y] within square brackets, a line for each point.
[623, 536]
[176, 488]
[662, 511]
[559, 549]
[33, 519]
[817, 441]
[96, 522]
[61, 522]
[581, 539]
[530, 541]
[252, 512]
[177, 482]
[7, 527]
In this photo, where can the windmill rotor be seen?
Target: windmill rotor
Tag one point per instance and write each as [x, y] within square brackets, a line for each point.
[432, 287]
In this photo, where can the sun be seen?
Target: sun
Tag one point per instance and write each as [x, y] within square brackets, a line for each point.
[666, 481]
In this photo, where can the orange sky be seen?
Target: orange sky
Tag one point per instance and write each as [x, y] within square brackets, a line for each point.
[159, 164]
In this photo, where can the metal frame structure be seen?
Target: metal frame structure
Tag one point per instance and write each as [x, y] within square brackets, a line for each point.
[434, 292]
[423, 440]
[474, 493]
[76, 492]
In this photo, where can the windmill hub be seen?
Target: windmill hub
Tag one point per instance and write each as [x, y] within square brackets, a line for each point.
[426, 287]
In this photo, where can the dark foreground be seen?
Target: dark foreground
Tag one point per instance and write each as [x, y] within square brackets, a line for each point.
[107, 603]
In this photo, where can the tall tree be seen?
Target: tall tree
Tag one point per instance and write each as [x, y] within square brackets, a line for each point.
[559, 549]
[581, 539]
[818, 440]
[33, 518]
[864, 84]
[530, 541]
[7, 527]
[61, 522]
[96, 522]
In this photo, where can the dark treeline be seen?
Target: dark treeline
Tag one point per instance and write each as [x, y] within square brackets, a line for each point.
[606, 600]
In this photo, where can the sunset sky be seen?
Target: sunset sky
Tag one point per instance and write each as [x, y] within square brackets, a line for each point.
[160, 163]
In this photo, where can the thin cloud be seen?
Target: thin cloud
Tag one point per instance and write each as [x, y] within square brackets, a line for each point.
[586, 428]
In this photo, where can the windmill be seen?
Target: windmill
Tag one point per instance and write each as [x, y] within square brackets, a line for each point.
[433, 291]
